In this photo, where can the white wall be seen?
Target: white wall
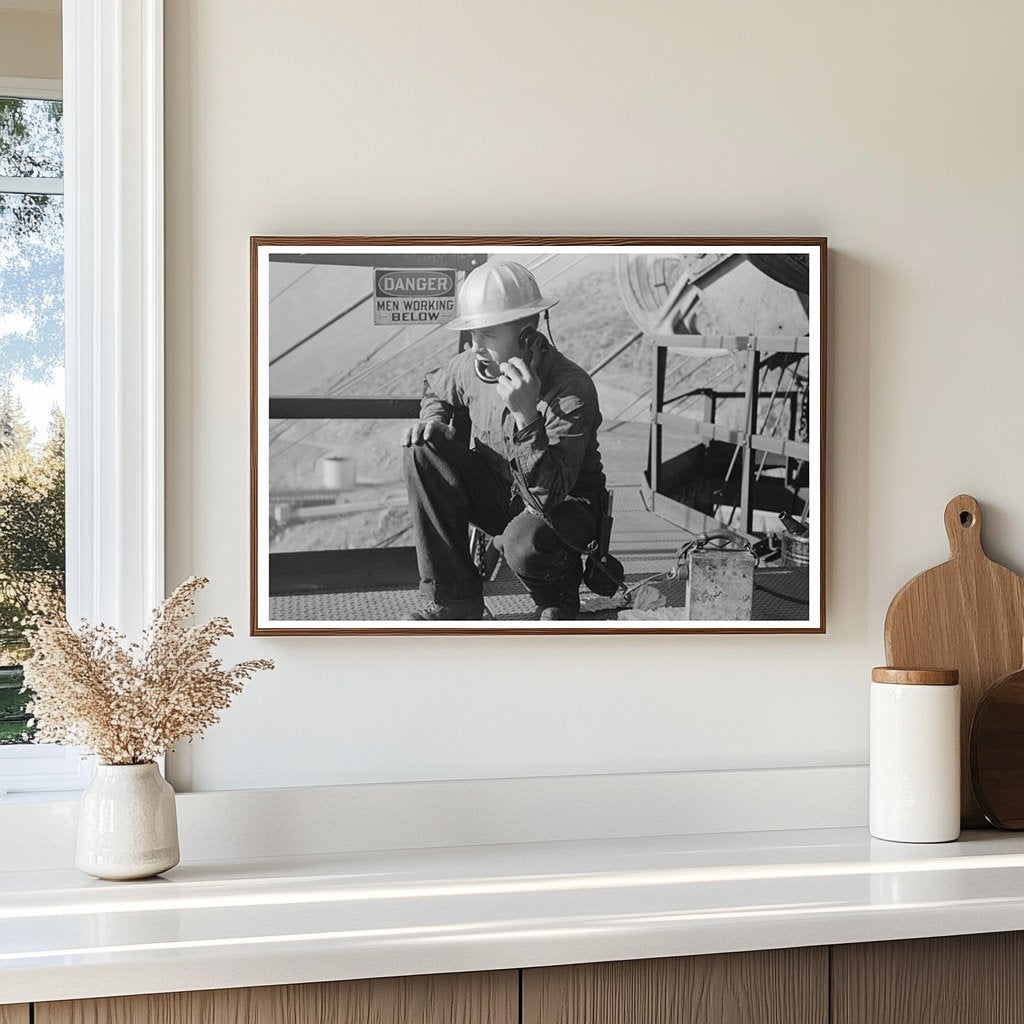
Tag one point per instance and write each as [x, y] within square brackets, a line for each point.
[894, 129]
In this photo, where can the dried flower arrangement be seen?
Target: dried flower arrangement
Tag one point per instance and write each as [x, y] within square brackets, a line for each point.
[129, 704]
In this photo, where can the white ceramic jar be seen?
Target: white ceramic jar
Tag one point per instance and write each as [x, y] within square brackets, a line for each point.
[127, 823]
[915, 755]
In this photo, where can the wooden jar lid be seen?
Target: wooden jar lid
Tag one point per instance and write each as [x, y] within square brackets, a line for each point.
[916, 676]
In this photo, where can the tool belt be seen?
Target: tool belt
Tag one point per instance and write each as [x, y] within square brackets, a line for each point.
[603, 573]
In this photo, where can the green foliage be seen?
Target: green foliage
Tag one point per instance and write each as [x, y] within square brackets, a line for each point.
[14, 727]
[31, 548]
[591, 321]
[32, 532]
[31, 346]
[30, 147]
[31, 142]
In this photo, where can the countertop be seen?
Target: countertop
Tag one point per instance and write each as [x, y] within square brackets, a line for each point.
[222, 924]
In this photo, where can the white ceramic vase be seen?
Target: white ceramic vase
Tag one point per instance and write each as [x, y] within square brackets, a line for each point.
[127, 824]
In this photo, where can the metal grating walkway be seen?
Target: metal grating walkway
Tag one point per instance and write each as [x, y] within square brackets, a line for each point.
[644, 542]
[779, 594]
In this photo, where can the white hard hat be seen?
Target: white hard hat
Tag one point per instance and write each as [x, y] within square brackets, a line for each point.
[497, 292]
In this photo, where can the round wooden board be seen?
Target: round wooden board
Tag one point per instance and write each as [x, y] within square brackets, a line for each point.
[997, 752]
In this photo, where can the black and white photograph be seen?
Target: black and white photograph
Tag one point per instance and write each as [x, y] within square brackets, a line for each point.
[537, 435]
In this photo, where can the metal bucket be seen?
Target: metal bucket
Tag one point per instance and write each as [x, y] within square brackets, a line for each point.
[338, 472]
[795, 550]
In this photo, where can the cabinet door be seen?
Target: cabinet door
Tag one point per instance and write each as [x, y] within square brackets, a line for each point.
[482, 998]
[959, 979]
[777, 986]
[14, 1014]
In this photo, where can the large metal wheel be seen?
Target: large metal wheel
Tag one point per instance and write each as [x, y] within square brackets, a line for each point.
[660, 292]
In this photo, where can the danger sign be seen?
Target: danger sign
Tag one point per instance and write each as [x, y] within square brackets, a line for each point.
[411, 296]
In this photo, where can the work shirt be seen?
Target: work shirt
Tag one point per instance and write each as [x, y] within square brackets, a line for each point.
[556, 454]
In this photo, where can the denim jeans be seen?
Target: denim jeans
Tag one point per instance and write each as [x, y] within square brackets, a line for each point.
[451, 486]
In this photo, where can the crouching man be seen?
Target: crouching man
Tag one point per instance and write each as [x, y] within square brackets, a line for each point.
[531, 476]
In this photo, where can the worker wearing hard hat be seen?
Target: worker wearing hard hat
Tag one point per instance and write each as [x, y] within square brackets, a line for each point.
[531, 476]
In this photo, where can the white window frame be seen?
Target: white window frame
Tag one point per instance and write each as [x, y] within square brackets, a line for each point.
[114, 325]
[38, 767]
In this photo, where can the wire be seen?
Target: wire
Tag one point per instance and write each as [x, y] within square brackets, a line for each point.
[387, 540]
[370, 370]
[764, 428]
[320, 329]
[340, 380]
[778, 419]
[722, 539]
[334, 388]
[294, 281]
[636, 401]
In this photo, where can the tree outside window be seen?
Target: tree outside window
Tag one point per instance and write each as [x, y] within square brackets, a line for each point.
[32, 542]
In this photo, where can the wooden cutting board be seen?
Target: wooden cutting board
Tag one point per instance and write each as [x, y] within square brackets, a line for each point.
[967, 614]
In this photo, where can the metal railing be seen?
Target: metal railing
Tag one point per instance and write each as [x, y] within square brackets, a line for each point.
[748, 438]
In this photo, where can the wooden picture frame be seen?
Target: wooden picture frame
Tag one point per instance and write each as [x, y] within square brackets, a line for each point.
[742, 444]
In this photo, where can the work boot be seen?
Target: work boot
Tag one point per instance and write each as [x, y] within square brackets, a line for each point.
[558, 598]
[565, 605]
[464, 609]
[554, 613]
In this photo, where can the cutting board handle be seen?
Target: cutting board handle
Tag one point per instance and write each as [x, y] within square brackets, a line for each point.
[963, 527]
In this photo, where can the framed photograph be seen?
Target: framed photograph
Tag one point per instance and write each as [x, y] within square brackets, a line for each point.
[537, 435]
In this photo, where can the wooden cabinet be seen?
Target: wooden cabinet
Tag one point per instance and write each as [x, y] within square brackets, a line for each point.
[481, 998]
[961, 979]
[777, 986]
[965, 979]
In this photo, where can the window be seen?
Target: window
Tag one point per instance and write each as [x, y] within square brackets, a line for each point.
[113, 331]
[32, 515]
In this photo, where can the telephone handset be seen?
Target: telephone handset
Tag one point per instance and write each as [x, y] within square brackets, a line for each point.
[532, 342]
